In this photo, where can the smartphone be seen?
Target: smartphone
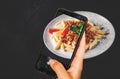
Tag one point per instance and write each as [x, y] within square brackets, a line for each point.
[61, 39]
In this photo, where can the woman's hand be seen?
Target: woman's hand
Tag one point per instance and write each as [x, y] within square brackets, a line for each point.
[74, 72]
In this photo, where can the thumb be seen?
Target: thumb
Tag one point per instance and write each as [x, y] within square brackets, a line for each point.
[59, 69]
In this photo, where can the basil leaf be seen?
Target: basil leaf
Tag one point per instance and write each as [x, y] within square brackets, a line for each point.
[81, 24]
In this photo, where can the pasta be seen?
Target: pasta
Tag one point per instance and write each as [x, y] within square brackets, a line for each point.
[93, 35]
[65, 36]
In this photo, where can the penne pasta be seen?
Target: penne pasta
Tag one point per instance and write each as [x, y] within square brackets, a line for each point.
[92, 44]
[67, 42]
[93, 35]
[62, 46]
[58, 45]
[101, 32]
[69, 49]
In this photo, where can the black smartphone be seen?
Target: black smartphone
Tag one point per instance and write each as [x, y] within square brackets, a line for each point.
[61, 39]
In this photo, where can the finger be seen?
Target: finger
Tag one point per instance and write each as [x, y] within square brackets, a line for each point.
[77, 63]
[59, 69]
[81, 50]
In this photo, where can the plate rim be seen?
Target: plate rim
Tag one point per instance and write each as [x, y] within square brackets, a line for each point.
[85, 52]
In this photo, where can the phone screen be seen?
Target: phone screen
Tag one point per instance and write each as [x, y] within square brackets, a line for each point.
[61, 38]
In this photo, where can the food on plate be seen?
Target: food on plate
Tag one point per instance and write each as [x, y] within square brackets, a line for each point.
[94, 34]
[65, 34]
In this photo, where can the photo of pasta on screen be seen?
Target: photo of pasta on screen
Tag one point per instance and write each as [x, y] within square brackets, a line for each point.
[66, 33]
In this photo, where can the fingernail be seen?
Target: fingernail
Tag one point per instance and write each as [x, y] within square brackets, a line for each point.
[52, 61]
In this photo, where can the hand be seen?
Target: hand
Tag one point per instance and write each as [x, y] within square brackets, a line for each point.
[74, 72]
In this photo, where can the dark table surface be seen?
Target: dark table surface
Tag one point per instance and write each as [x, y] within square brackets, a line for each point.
[21, 27]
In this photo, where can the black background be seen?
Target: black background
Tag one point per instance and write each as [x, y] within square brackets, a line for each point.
[21, 27]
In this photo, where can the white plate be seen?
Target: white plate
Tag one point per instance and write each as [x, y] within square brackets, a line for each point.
[97, 20]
